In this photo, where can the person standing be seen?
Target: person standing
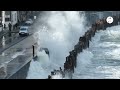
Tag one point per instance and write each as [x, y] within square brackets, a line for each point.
[10, 26]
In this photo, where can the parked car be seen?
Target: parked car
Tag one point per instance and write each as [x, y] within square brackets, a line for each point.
[23, 31]
[27, 24]
[29, 21]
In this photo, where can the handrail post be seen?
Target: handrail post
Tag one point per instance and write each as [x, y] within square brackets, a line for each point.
[33, 50]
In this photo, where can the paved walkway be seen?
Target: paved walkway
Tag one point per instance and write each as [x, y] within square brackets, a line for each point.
[15, 57]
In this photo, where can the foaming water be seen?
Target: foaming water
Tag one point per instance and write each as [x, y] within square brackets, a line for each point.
[3, 41]
[83, 61]
[104, 60]
[39, 69]
[17, 54]
[59, 33]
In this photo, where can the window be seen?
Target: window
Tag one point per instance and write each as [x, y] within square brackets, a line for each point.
[7, 19]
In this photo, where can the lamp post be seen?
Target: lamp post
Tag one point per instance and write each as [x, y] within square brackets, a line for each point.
[11, 19]
[3, 19]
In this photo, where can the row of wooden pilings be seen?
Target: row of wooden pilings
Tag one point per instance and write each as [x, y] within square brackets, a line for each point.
[71, 60]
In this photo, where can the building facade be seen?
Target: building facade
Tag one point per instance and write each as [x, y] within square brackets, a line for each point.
[11, 17]
[8, 17]
[14, 17]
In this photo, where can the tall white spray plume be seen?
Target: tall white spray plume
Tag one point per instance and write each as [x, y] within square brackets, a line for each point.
[59, 32]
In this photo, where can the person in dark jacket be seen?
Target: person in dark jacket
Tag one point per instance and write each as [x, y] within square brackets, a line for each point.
[4, 26]
[10, 26]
